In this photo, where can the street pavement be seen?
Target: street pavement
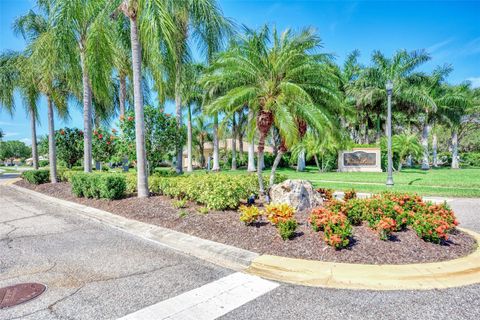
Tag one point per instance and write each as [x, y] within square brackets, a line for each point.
[94, 271]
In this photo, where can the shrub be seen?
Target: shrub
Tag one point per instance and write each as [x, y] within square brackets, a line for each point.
[433, 222]
[277, 213]
[287, 228]
[36, 176]
[335, 225]
[214, 190]
[107, 186]
[43, 163]
[349, 194]
[249, 215]
[131, 181]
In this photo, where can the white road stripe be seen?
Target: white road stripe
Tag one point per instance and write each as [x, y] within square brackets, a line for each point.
[209, 301]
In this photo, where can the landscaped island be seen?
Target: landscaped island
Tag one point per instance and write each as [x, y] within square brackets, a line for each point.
[388, 228]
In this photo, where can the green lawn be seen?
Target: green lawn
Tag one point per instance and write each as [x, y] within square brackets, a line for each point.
[435, 182]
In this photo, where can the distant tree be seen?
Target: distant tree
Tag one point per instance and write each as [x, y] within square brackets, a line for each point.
[14, 149]
[104, 145]
[161, 136]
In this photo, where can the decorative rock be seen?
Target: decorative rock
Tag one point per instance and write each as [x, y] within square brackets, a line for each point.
[300, 194]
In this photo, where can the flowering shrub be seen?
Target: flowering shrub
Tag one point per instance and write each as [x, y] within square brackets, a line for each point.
[335, 225]
[104, 144]
[69, 144]
[389, 212]
[279, 213]
[349, 194]
[434, 222]
[385, 227]
[249, 215]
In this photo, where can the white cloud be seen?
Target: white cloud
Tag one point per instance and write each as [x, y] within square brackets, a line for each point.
[11, 134]
[437, 46]
[475, 81]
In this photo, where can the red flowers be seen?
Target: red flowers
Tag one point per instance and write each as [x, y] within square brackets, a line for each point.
[130, 118]
[100, 136]
[62, 132]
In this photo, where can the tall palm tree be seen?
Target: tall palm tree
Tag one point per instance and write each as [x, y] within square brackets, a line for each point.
[151, 24]
[279, 78]
[369, 87]
[456, 105]
[204, 20]
[404, 145]
[16, 68]
[84, 29]
[43, 71]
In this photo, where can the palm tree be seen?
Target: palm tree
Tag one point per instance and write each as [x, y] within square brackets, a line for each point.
[151, 24]
[280, 79]
[21, 74]
[84, 29]
[456, 105]
[369, 87]
[204, 20]
[202, 132]
[404, 145]
[42, 71]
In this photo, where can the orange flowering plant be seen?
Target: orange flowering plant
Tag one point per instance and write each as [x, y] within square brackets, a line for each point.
[279, 213]
[335, 225]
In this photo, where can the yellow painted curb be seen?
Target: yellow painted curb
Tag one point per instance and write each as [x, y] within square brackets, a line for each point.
[425, 276]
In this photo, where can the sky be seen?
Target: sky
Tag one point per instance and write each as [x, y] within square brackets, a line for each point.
[448, 30]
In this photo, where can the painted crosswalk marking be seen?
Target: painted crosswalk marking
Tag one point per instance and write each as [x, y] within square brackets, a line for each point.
[209, 301]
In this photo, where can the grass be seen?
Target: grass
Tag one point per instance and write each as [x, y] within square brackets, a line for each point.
[435, 182]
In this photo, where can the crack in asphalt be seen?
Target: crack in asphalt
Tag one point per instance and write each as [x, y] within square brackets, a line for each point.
[25, 218]
[50, 268]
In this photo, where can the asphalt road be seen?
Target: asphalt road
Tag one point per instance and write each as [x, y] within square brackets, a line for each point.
[96, 272]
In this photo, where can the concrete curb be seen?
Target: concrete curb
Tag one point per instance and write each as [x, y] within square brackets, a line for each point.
[217, 253]
[426, 276]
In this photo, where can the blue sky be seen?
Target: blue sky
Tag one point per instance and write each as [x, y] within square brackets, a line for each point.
[449, 30]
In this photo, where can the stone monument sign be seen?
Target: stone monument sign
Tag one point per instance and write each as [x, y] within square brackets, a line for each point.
[360, 160]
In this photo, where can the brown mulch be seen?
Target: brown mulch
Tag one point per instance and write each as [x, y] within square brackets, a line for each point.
[224, 226]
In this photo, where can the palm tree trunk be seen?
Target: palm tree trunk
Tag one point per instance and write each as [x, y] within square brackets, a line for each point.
[251, 146]
[52, 152]
[216, 151]
[142, 176]
[87, 116]
[234, 143]
[202, 152]
[178, 111]
[434, 150]
[281, 151]
[317, 163]
[301, 161]
[264, 123]
[123, 94]
[425, 158]
[33, 125]
[189, 140]
[455, 164]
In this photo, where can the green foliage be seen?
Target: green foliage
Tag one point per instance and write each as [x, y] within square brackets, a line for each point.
[161, 136]
[36, 176]
[216, 191]
[14, 149]
[69, 144]
[43, 163]
[180, 203]
[93, 185]
[335, 225]
[203, 210]
[249, 214]
[287, 228]
[470, 159]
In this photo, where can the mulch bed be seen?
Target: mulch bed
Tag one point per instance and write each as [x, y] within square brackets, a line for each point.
[224, 226]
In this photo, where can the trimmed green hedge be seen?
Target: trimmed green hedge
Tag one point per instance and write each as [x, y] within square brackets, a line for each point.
[216, 191]
[36, 176]
[91, 185]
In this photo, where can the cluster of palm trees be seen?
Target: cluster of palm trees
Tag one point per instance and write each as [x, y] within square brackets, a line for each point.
[106, 54]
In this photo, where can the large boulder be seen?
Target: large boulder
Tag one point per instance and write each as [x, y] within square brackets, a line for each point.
[300, 194]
